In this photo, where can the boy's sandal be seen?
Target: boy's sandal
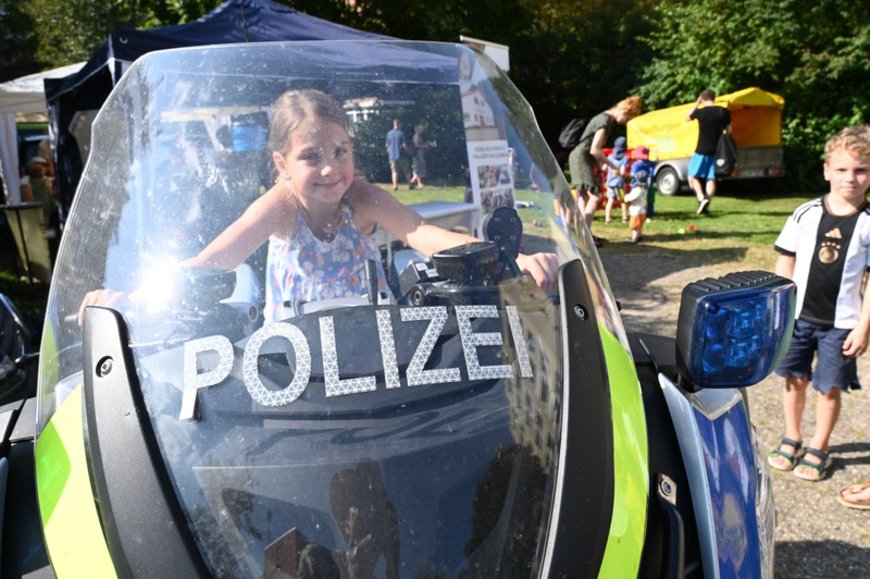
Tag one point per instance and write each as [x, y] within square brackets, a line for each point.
[847, 497]
[811, 471]
[778, 455]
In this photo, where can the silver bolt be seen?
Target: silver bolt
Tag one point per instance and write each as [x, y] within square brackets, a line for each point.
[666, 487]
[105, 367]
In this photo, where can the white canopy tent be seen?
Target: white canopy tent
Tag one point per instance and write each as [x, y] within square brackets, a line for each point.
[24, 95]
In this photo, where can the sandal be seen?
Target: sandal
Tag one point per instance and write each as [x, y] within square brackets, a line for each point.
[854, 503]
[778, 455]
[812, 471]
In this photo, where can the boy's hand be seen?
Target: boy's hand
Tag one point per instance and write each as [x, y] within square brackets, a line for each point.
[855, 344]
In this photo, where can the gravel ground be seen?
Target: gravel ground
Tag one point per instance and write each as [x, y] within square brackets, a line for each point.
[816, 537]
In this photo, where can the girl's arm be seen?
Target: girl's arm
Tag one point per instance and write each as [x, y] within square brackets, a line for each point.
[373, 205]
[227, 251]
[376, 206]
[261, 219]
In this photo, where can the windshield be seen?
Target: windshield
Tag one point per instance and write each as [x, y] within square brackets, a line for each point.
[329, 381]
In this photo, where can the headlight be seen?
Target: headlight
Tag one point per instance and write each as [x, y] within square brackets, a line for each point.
[732, 331]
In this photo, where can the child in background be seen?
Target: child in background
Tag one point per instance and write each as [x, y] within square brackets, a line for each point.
[616, 179]
[825, 248]
[641, 172]
[651, 193]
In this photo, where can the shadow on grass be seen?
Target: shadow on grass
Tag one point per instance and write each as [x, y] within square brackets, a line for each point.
[755, 233]
[637, 269]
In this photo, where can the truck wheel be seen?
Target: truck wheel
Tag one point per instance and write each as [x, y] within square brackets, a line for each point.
[668, 182]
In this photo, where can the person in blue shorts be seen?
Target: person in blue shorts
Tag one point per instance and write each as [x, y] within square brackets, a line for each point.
[397, 151]
[825, 248]
[713, 120]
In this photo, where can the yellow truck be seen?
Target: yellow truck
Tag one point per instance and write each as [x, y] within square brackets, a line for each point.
[756, 122]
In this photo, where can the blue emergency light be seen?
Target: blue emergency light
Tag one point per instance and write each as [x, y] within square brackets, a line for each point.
[732, 331]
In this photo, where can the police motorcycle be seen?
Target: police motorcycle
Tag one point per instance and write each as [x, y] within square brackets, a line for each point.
[466, 423]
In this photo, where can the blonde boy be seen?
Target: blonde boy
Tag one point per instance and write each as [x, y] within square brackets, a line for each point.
[825, 248]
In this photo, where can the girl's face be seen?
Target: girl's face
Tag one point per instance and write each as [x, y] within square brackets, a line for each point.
[318, 168]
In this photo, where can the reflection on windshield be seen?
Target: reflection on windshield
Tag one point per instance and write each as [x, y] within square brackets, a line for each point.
[345, 377]
[367, 520]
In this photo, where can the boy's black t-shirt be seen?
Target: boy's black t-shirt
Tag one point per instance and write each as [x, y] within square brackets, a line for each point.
[826, 268]
[712, 121]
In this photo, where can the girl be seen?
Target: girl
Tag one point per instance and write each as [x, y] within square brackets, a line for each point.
[318, 218]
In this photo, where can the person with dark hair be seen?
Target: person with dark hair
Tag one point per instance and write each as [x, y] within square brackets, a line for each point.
[713, 120]
[418, 158]
[397, 152]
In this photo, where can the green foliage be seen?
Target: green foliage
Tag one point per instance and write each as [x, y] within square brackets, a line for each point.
[70, 30]
[168, 12]
[440, 114]
[576, 59]
[568, 58]
[18, 39]
[812, 52]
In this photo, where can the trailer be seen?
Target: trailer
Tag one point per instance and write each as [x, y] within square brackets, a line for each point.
[756, 124]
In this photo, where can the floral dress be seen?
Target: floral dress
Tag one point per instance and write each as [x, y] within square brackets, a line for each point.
[307, 269]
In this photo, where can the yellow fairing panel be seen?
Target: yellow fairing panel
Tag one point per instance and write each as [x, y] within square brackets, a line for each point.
[631, 463]
[73, 534]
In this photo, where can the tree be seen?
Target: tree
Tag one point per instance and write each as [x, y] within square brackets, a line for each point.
[568, 58]
[812, 52]
[18, 40]
[66, 31]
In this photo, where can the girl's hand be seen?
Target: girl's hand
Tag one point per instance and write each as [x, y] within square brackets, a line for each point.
[543, 267]
[105, 297]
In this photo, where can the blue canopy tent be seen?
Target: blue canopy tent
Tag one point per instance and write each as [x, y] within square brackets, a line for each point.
[75, 99]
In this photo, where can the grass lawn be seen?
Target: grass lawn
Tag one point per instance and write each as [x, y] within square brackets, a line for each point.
[28, 297]
[745, 219]
[749, 220]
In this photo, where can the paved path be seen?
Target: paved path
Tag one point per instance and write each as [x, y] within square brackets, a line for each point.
[815, 536]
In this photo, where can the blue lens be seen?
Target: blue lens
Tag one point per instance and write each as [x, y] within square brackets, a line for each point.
[739, 335]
